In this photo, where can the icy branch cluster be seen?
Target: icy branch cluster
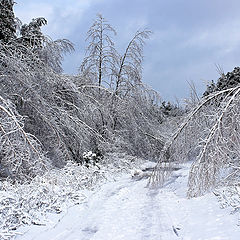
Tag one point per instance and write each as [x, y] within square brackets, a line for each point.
[209, 136]
[20, 153]
[229, 197]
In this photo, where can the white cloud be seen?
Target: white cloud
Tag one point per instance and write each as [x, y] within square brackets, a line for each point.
[26, 12]
[225, 37]
[62, 16]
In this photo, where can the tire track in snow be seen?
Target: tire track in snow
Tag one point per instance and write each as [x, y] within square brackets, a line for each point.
[159, 225]
[119, 210]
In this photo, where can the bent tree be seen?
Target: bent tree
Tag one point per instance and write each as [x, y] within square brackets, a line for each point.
[129, 69]
[209, 136]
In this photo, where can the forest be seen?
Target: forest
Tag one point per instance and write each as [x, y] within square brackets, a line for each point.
[62, 128]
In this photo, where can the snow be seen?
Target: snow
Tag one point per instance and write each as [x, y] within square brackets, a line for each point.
[125, 209]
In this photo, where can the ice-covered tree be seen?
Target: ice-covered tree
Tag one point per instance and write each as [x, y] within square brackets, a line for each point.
[208, 136]
[7, 21]
[129, 70]
[49, 52]
[31, 34]
[53, 52]
[101, 53]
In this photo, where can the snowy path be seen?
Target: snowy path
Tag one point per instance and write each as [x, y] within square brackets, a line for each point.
[127, 210]
[119, 210]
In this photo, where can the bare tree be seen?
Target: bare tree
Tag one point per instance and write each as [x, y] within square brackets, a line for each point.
[127, 73]
[101, 54]
[219, 70]
[130, 64]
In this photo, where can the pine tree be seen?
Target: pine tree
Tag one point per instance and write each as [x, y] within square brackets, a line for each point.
[7, 21]
[229, 80]
[48, 51]
[31, 33]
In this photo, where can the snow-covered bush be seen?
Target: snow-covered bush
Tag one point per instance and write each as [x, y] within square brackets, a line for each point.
[92, 158]
[89, 156]
[229, 197]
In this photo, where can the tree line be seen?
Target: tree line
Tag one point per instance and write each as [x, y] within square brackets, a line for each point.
[48, 118]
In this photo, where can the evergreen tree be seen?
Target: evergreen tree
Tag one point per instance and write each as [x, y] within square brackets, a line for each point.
[7, 21]
[31, 33]
[229, 80]
[50, 52]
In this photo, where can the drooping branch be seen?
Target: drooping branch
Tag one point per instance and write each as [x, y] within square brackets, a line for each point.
[131, 61]
[211, 152]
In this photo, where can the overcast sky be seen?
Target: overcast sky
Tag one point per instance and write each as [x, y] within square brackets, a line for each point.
[190, 36]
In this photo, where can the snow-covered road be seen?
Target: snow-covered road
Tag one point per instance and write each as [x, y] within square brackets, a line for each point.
[127, 210]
